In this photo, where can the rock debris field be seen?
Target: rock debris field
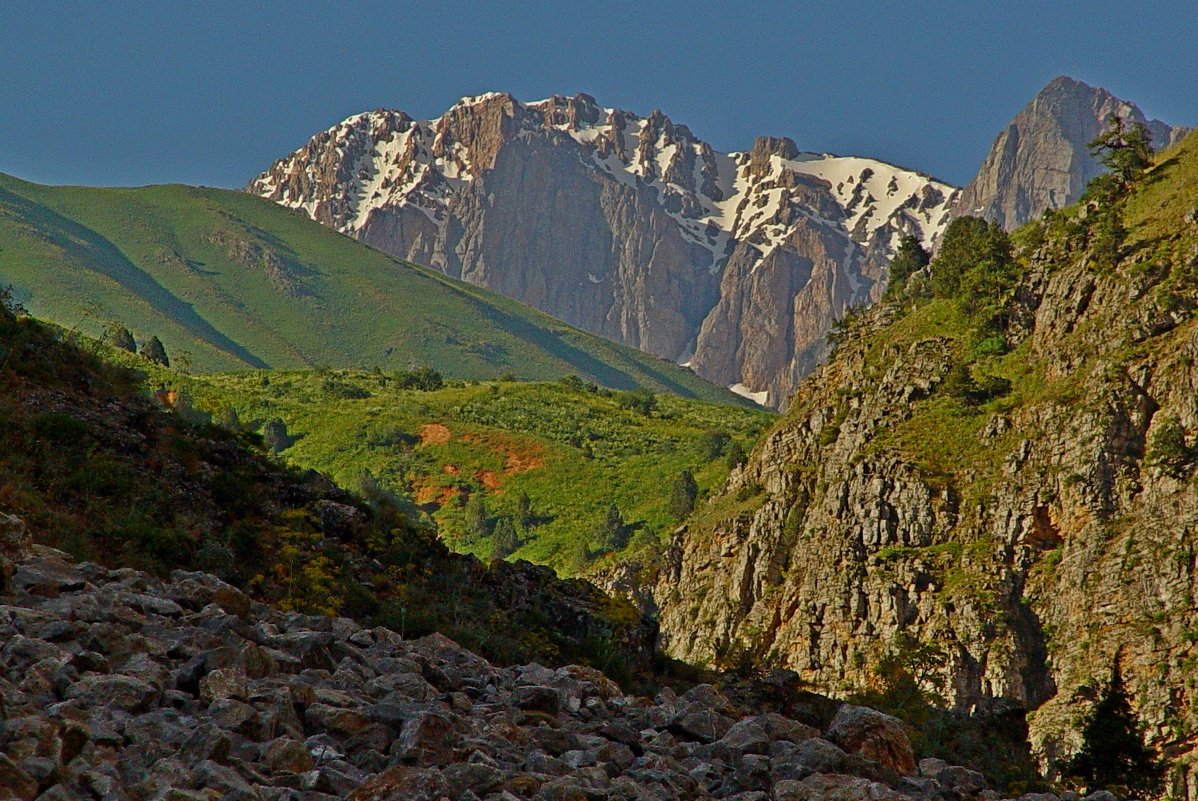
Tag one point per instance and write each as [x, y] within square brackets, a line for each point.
[116, 685]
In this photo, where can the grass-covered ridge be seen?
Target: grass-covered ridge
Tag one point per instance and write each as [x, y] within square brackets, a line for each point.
[539, 464]
[95, 467]
[229, 281]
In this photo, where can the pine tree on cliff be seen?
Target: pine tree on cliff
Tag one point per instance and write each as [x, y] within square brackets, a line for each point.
[1126, 150]
[1113, 753]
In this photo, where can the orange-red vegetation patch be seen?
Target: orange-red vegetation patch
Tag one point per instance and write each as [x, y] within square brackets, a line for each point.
[519, 456]
[434, 434]
[450, 469]
[488, 478]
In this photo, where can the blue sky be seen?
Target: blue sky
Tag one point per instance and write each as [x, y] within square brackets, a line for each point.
[212, 92]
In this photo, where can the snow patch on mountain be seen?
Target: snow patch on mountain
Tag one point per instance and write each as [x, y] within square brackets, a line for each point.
[715, 197]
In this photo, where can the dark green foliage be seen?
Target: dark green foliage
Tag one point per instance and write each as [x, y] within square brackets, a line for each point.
[1126, 150]
[683, 495]
[1113, 754]
[478, 520]
[424, 379]
[155, 352]
[735, 455]
[910, 258]
[524, 513]
[975, 266]
[275, 436]
[9, 305]
[713, 444]
[961, 384]
[120, 337]
[228, 419]
[613, 533]
[505, 540]
[340, 389]
[1168, 449]
[639, 400]
[393, 437]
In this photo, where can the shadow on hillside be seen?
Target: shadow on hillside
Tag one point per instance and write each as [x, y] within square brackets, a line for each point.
[98, 253]
[555, 343]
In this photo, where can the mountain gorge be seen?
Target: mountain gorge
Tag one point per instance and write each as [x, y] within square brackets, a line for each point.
[627, 226]
[1005, 473]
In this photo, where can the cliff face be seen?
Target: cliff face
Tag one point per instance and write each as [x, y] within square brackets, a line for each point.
[1040, 161]
[627, 226]
[1037, 538]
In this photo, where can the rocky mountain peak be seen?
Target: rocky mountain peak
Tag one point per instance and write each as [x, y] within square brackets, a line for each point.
[626, 225]
[1041, 160]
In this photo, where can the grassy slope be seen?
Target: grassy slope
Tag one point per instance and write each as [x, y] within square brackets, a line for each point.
[93, 466]
[237, 282]
[571, 449]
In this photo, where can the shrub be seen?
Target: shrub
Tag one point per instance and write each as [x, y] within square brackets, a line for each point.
[735, 455]
[275, 436]
[1168, 449]
[639, 400]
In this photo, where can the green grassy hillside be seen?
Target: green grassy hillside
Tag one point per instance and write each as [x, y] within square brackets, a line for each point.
[91, 465]
[573, 449]
[229, 281]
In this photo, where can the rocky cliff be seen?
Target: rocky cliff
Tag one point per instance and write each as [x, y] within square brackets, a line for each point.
[1041, 160]
[628, 226]
[1022, 499]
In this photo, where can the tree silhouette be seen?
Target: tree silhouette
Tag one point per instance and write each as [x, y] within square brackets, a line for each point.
[1113, 753]
[683, 495]
[155, 352]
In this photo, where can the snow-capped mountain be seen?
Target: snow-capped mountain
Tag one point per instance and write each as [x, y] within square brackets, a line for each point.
[626, 225]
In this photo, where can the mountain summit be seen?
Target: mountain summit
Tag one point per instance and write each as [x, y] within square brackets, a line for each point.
[629, 226]
[1041, 160]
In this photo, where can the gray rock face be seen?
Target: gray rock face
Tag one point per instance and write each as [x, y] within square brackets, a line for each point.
[182, 699]
[1034, 544]
[627, 226]
[1040, 161]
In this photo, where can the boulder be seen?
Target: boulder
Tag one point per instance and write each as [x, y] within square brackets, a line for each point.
[874, 735]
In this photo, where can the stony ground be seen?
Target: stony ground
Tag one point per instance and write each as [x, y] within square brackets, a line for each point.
[116, 685]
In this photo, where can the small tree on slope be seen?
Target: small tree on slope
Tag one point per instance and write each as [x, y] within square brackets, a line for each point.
[1113, 753]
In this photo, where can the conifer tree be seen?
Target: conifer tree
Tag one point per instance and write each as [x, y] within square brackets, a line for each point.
[478, 520]
[155, 352]
[1126, 150]
[683, 495]
[614, 532]
[909, 258]
[504, 541]
[275, 436]
[1114, 754]
[120, 337]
